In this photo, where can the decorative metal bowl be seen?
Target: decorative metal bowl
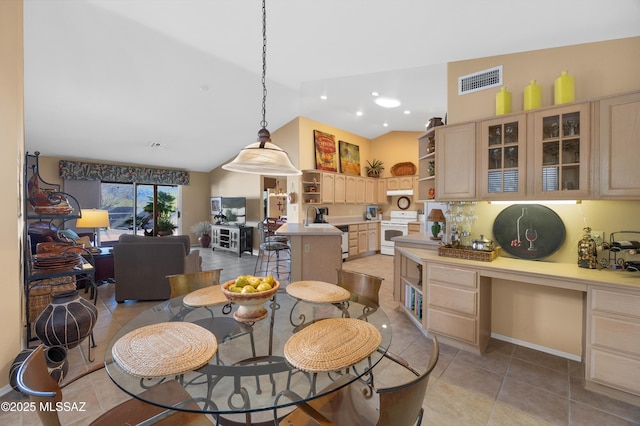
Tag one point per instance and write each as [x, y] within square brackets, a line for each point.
[250, 305]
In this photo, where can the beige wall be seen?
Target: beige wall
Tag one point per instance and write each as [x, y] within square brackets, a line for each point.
[600, 69]
[11, 161]
[538, 315]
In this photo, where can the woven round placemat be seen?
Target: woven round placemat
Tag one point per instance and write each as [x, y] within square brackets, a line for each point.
[317, 291]
[164, 349]
[332, 344]
[207, 296]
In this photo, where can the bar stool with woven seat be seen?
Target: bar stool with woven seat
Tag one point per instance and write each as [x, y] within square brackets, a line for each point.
[273, 252]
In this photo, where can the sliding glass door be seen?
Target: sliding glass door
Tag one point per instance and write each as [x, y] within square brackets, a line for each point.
[139, 209]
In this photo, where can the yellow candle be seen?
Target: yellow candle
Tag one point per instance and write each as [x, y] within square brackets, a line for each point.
[532, 96]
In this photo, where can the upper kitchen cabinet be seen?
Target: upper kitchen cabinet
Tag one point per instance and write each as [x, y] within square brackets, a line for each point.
[560, 146]
[381, 190]
[456, 162]
[502, 158]
[426, 187]
[318, 187]
[339, 191]
[399, 182]
[618, 147]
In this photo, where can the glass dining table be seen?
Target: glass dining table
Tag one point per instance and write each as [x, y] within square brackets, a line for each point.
[249, 379]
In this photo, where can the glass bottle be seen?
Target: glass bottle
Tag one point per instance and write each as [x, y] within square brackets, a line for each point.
[587, 251]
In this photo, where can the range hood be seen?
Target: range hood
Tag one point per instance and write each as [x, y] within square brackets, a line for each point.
[400, 192]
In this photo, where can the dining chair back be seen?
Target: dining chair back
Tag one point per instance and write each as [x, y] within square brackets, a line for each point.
[365, 285]
[399, 405]
[33, 379]
[186, 283]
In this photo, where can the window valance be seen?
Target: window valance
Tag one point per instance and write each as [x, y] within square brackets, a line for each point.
[124, 174]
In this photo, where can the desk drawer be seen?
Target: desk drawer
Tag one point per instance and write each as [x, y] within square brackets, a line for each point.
[616, 334]
[362, 227]
[454, 299]
[452, 325]
[461, 277]
[615, 302]
[614, 370]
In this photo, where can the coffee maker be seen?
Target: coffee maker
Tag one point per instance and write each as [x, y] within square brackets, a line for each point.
[321, 212]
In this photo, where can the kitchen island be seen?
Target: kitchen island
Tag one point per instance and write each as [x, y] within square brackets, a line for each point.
[316, 251]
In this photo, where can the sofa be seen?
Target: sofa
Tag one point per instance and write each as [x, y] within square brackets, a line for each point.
[141, 265]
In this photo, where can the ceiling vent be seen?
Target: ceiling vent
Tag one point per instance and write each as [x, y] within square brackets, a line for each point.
[480, 80]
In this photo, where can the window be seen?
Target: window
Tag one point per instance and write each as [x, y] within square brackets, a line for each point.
[156, 209]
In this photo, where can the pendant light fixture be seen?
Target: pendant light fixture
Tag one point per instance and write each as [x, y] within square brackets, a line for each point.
[263, 157]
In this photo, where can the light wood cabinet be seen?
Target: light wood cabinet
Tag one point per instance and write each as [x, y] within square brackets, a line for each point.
[454, 302]
[351, 188]
[339, 185]
[426, 186]
[327, 188]
[373, 235]
[560, 147]
[360, 190]
[409, 276]
[613, 343]
[415, 228]
[502, 158]
[353, 240]
[618, 147]
[317, 187]
[381, 190]
[364, 239]
[370, 190]
[456, 162]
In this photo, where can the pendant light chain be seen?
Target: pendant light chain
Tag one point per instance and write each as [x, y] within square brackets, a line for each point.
[263, 123]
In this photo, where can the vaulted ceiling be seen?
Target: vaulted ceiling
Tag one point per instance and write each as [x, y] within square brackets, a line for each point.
[106, 79]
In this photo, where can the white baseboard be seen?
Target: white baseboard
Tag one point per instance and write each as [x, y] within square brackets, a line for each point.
[537, 347]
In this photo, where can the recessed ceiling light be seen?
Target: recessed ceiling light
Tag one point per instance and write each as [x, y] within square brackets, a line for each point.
[359, 113]
[387, 102]
[407, 112]
[204, 88]
[385, 124]
[323, 97]
[375, 94]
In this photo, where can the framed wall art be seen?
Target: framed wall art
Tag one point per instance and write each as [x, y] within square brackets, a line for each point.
[326, 155]
[349, 158]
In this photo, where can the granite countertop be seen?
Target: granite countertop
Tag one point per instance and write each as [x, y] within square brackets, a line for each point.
[299, 229]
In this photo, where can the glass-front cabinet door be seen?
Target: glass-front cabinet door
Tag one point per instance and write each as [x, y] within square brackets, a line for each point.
[561, 153]
[503, 158]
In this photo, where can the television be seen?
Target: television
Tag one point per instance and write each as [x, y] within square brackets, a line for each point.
[229, 210]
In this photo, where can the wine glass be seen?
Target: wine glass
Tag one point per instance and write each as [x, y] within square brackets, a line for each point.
[531, 235]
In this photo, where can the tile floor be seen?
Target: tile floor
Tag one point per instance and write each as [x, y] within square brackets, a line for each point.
[508, 385]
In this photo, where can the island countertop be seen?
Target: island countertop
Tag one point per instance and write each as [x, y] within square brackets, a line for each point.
[299, 229]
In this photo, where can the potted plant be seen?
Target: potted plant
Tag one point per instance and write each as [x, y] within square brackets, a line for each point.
[374, 168]
[165, 226]
[203, 231]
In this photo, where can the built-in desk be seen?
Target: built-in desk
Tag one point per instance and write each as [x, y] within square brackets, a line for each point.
[452, 298]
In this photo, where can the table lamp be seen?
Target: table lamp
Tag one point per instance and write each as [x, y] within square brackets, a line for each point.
[435, 216]
[93, 218]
